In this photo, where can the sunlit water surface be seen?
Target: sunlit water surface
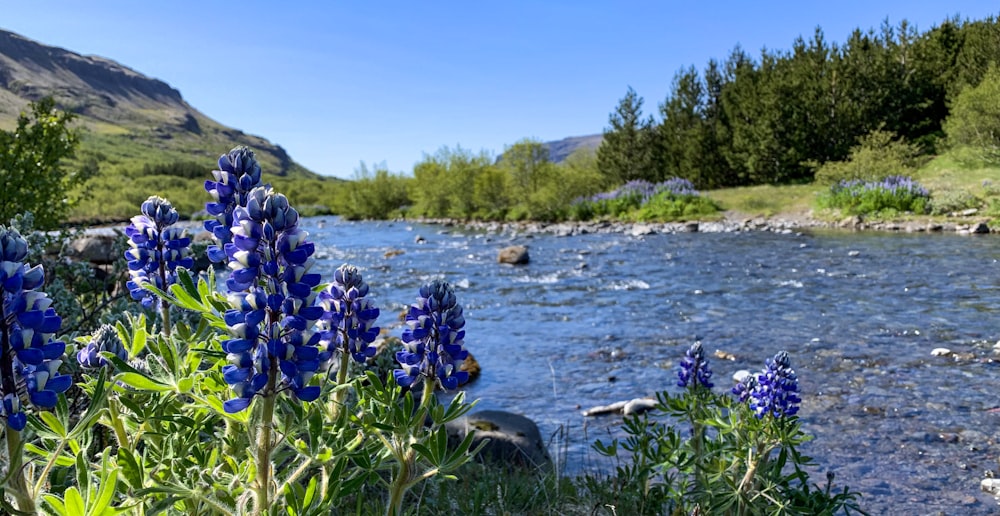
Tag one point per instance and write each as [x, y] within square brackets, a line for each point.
[859, 314]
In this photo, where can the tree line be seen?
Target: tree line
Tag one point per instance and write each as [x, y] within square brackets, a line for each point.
[774, 118]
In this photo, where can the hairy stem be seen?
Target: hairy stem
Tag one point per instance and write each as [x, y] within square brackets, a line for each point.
[263, 484]
[18, 485]
[164, 306]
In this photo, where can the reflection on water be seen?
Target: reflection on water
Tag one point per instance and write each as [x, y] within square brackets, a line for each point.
[858, 314]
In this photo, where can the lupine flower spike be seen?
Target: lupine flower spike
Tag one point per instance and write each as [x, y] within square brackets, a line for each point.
[156, 249]
[29, 356]
[774, 391]
[273, 347]
[238, 174]
[694, 370]
[349, 316]
[104, 339]
[433, 339]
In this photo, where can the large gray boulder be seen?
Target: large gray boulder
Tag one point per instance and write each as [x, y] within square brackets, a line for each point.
[98, 249]
[514, 255]
[514, 440]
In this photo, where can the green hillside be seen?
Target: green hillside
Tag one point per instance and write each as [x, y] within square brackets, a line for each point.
[138, 132]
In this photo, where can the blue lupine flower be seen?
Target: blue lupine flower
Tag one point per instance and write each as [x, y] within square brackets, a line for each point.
[31, 357]
[433, 339]
[349, 316]
[774, 391]
[156, 249]
[694, 370]
[745, 388]
[238, 174]
[273, 303]
[104, 339]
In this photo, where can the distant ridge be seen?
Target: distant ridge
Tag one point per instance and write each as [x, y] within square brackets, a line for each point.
[561, 149]
[125, 115]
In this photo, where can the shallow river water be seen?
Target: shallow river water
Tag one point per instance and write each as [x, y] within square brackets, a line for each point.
[599, 318]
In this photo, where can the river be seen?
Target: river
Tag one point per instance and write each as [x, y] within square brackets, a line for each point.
[600, 318]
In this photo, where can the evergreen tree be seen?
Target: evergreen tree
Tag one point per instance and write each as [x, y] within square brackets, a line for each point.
[626, 153]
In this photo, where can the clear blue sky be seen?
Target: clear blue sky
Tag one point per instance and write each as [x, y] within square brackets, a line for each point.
[336, 83]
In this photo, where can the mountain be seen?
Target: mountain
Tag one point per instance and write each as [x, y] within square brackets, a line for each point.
[561, 149]
[126, 118]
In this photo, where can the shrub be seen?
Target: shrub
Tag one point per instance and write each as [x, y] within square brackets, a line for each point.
[675, 198]
[896, 193]
[878, 154]
[974, 118]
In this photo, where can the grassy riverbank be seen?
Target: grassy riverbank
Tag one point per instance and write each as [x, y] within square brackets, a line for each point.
[957, 185]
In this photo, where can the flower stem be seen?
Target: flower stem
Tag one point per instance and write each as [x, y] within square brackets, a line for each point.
[338, 396]
[400, 484]
[164, 306]
[15, 461]
[116, 424]
[262, 487]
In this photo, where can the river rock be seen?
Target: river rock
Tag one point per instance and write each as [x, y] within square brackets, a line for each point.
[470, 365]
[740, 375]
[514, 255]
[940, 352]
[990, 485]
[513, 439]
[851, 222]
[641, 230]
[98, 249]
[627, 407]
[638, 406]
[600, 410]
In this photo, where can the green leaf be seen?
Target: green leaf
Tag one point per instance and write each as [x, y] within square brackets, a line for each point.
[185, 385]
[139, 339]
[142, 382]
[74, 502]
[131, 471]
[53, 423]
[97, 402]
[107, 490]
[56, 504]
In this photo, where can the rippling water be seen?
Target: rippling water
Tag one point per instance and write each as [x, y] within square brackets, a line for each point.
[859, 314]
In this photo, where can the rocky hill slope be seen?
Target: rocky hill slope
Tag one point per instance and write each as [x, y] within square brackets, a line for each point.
[125, 117]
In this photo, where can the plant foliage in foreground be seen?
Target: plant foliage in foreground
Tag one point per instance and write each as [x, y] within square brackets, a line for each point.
[707, 453]
[243, 399]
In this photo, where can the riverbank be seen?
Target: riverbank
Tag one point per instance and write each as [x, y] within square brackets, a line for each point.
[730, 222]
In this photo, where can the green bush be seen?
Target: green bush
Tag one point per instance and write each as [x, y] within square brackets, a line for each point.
[974, 119]
[878, 154]
[894, 194]
[666, 206]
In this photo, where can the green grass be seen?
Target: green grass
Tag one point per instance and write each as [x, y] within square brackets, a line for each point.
[955, 180]
[767, 200]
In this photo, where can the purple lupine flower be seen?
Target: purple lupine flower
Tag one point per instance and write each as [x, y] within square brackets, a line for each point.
[238, 174]
[156, 249]
[104, 339]
[774, 391]
[433, 339]
[273, 303]
[349, 316]
[29, 372]
[694, 370]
